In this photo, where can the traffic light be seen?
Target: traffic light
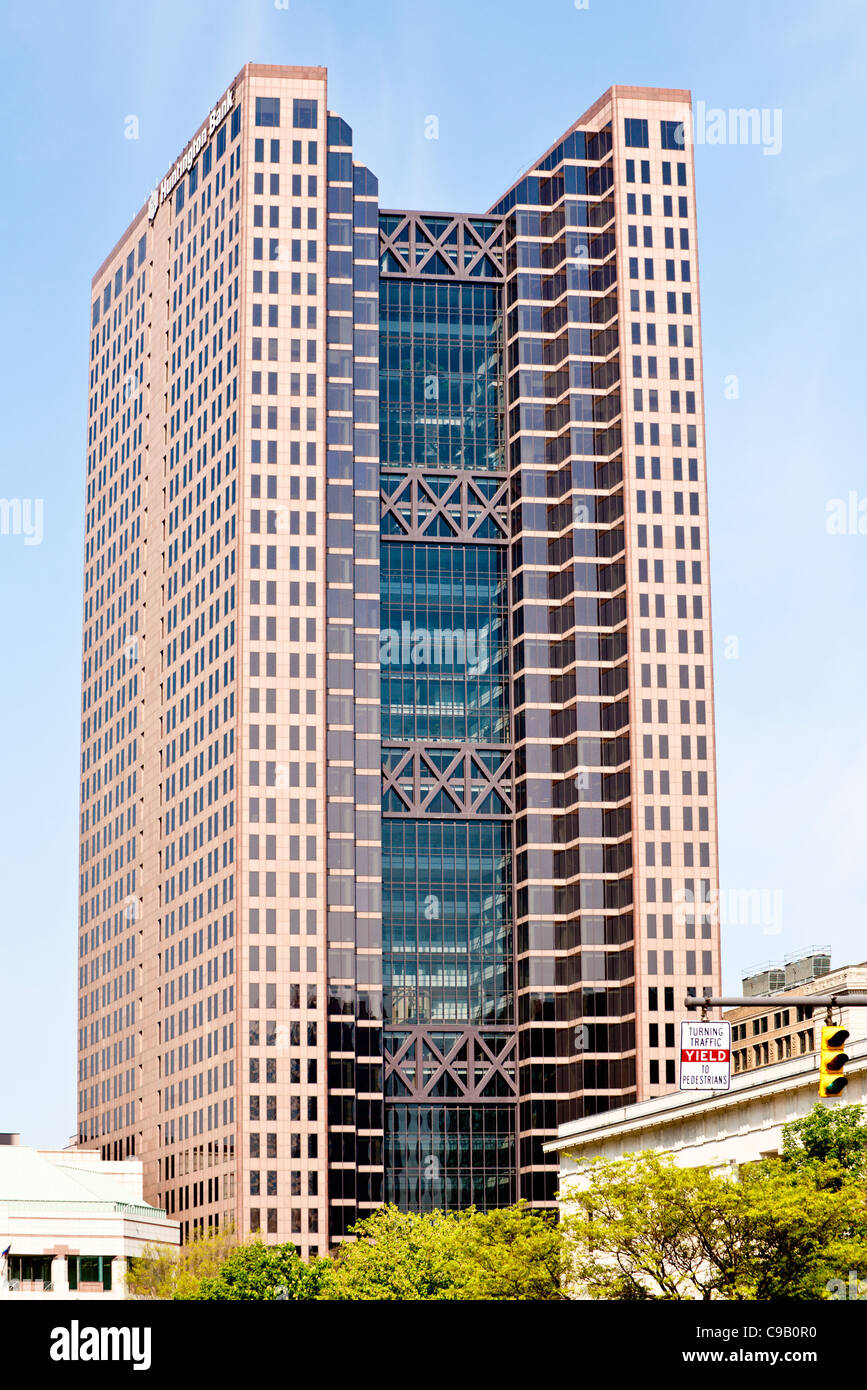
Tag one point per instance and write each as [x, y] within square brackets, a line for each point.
[832, 1060]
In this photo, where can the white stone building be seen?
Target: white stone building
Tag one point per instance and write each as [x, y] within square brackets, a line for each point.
[69, 1221]
[724, 1128]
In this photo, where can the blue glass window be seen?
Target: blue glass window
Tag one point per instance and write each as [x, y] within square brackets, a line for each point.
[442, 1157]
[672, 135]
[446, 921]
[304, 113]
[443, 642]
[635, 132]
[267, 111]
[440, 374]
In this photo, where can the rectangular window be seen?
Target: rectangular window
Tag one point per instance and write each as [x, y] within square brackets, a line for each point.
[268, 111]
[91, 1271]
[635, 132]
[672, 135]
[304, 113]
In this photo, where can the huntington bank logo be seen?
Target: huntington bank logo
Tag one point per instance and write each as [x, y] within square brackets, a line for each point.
[76, 1343]
[456, 648]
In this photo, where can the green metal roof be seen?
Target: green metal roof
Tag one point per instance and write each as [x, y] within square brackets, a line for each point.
[30, 1179]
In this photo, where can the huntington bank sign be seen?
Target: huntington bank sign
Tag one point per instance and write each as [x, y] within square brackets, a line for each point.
[191, 154]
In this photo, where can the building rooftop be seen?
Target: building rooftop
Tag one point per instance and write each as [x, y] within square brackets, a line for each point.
[70, 1177]
[797, 968]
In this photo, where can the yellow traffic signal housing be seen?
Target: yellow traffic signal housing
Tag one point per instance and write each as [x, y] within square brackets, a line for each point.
[832, 1060]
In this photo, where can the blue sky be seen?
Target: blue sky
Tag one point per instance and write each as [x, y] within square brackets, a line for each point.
[783, 312]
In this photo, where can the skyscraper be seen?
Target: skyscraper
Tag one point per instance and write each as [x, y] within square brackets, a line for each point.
[398, 824]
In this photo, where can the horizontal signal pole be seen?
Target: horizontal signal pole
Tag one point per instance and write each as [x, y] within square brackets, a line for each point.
[833, 1001]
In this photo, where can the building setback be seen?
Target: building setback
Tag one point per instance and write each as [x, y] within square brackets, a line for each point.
[398, 819]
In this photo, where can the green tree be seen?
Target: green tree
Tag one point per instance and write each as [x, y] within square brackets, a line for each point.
[835, 1135]
[797, 1232]
[265, 1273]
[512, 1253]
[164, 1272]
[642, 1228]
[396, 1256]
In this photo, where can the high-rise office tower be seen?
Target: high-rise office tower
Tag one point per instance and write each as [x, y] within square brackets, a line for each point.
[398, 823]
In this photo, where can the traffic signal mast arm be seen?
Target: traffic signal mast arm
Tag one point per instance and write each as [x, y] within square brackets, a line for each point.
[832, 1058]
[809, 1001]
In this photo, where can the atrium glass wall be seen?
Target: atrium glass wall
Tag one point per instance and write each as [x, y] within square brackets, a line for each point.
[444, 1156]
[448, 953]
[447, 941]
[440, 374]
[443, 644]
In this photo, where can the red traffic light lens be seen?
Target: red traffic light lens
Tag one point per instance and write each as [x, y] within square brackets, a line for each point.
[836, 1063]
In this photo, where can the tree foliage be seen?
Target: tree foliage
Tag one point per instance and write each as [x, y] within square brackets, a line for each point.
[643, 1228]
[829, 1134]
[396, 1256]
[162, 1272]
[638, 1227]
[265, 1273]
[510, 1254]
